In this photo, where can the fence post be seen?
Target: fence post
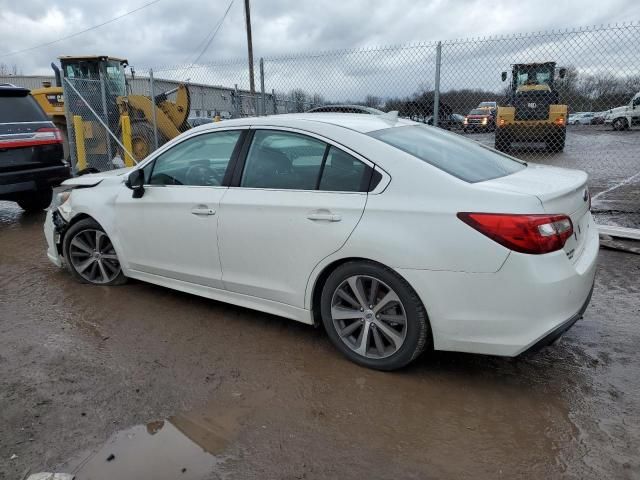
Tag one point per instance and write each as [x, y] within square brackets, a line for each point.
[152, 94]
[263, 108]
[436, 90]
[81, 153]
[275, 105]
[126, 140]
[237, 102]
[105, 112]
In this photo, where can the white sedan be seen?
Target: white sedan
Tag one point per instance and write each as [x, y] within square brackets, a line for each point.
[395, 236]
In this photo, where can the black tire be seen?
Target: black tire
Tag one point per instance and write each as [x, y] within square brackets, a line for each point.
[87, 227]
[417, 331]
[502, 141]
[620, 124]
[36, 201]
[555, 143]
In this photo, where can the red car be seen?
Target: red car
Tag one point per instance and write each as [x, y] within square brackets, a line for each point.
[480, 119]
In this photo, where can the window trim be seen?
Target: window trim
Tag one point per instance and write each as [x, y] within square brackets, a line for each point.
[241, 162]
[244, 131]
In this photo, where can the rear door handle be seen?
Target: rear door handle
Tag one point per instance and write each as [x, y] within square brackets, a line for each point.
[324, 216]
[203, 210]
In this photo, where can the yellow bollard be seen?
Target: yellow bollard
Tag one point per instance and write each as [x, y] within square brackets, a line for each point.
[126, 140]
[78, 128]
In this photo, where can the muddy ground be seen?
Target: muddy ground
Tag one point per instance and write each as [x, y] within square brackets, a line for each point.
[142, 382]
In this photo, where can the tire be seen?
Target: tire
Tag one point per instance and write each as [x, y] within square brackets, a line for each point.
[397, 330]
[36, 201]
[502, 142]
[555, 143]
[620, 124]
[79, 250]
[142, 140]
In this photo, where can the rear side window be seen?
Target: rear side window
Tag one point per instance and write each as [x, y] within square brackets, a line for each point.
[20, 109]
[465, 159]
[344, 173]
[291, 161]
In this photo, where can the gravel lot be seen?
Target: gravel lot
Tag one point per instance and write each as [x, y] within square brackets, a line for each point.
[143, 382]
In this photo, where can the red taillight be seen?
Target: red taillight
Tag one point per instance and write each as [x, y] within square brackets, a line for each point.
[560, 121]
[535, 234]
[42, 136]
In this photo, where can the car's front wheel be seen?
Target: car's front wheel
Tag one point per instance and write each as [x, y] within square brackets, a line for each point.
[90, 255]
[373, 316]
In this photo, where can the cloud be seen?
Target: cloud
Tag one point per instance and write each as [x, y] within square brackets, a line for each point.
[169, 32]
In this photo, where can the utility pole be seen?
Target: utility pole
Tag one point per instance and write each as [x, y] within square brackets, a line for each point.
[247, 17]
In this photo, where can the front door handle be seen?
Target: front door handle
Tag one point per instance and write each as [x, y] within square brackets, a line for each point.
[324, 216]
[203, 210]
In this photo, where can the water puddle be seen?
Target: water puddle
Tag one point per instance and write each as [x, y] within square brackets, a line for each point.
[186, 446]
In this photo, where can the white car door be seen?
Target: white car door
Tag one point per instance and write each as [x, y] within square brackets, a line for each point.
[296, 200]
[171, 231]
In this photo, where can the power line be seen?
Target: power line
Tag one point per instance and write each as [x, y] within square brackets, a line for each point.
[80, 32]
[210, 36]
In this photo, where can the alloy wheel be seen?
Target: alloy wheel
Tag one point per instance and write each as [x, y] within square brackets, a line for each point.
[92, 255]
[369, 316]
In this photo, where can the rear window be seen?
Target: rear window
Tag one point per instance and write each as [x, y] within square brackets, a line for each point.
[20, 109]
[465, 159]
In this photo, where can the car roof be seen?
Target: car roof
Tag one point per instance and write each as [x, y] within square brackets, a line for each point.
[363, 123]
[10, 90]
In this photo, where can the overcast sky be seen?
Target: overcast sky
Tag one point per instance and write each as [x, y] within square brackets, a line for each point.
[170, 32]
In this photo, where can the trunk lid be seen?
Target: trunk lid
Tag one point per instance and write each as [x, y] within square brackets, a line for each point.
[560, 191]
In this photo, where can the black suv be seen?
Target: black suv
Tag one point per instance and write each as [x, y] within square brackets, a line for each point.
[31, 155]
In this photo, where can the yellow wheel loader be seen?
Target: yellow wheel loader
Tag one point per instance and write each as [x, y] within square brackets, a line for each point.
[100, 82]
[533, 112]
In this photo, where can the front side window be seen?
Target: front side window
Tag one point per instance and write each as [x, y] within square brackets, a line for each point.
[465, 159]
[197, 161]
[283, 160]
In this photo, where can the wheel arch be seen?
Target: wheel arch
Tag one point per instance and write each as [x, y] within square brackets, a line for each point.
[321, 278]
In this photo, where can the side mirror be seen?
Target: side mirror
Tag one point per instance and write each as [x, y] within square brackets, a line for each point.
[504, 76]
[135, 182]
[562, 72]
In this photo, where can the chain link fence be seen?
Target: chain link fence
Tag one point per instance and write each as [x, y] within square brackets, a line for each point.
[566, 98]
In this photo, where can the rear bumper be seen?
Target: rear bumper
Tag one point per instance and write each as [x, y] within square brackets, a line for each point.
[532, 299]
[530, 131]
[12, 184]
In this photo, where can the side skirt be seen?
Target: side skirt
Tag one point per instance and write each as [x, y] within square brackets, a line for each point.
[247, 301]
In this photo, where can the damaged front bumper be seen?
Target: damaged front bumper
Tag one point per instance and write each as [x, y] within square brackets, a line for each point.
[54, 228]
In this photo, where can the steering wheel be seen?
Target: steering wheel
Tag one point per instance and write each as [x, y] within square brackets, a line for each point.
[201, 175]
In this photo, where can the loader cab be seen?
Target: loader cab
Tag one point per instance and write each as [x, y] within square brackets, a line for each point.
[533, 76]
[88, 70]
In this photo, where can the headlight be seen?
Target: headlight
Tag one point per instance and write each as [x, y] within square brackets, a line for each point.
[484, 121]
[60, 198]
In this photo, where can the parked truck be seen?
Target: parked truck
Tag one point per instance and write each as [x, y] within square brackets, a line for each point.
[623, 118]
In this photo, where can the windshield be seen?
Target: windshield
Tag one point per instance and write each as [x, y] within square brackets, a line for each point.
[479, 111]
[540, 75]
[456, 155]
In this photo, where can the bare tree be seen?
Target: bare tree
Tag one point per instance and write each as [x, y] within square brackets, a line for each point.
[299, 99]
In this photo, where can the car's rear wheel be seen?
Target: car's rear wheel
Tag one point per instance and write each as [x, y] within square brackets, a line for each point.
[90, 255]
[36, 201]
[620, 124]
[373, 316]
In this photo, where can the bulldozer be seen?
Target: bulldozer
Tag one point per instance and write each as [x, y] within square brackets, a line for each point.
[533, 112]
[100, 85]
